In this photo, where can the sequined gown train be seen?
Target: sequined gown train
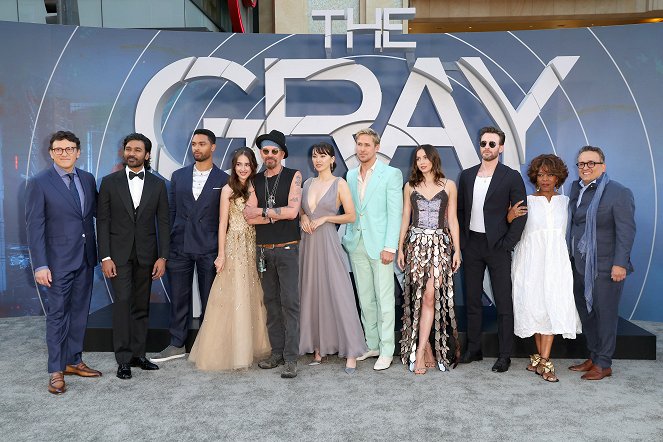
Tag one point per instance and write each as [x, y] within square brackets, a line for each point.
[428, 253]
[234, 332]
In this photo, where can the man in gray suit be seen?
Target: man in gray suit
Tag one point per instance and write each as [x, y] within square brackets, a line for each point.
[602, 230]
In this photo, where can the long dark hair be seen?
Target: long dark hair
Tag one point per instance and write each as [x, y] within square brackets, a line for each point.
[416, 177]
[239, 189]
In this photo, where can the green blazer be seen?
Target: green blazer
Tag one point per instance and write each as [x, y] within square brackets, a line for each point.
[379, 215]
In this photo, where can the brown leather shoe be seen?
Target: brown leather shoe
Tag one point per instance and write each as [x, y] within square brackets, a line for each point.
[56, 383]
[585, 366]
[597, 373]
[83, 370]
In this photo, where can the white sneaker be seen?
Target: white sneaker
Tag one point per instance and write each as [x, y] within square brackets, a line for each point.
[369, 354]
[382, 363]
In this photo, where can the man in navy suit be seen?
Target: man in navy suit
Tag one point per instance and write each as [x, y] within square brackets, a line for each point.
[60, 206]
[194, 237]
[602, 231]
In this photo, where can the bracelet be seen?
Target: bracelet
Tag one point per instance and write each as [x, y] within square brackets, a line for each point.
[264, 212]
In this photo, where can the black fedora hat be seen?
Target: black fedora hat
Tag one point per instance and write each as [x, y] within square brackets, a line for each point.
[275, 137]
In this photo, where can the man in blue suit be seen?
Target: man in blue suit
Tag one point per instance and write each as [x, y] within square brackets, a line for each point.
[194, 237]
[60, 206]
[371, 242]
[601, 233]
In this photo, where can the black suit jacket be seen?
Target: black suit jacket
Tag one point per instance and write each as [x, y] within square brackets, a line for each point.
[506, 188]
[118, 227]
[195, 223]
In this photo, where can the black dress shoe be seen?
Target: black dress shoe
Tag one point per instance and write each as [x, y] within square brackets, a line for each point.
[124, 371]
[468, 357]
[143, 363]
[501, 365]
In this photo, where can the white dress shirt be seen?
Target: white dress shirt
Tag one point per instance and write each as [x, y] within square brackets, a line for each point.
[199, 180]
[363, 183]
[481, 184]
[135, 186]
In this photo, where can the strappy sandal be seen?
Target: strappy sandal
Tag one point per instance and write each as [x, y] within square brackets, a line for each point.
[420, 370]
[429, 359]
[534, 361]
[315, 361]
[547, 370]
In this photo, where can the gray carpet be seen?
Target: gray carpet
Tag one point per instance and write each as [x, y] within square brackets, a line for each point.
[181, 403]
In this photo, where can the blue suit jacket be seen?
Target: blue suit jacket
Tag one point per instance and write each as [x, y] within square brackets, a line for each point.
[195, 223]
[60, 236]
[379, 214]
[615, 227]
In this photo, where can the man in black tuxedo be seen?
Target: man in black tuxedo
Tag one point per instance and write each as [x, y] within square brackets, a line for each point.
[601, 233]
[61, 202]
[132, 203]
[193, 198]
[485, 193]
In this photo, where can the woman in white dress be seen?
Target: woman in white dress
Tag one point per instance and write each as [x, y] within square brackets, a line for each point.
[543, 303]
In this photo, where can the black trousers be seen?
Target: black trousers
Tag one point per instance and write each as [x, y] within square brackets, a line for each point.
[477, 255]
[600, 325]
[131, 309]
[180, 275]
[280, 285]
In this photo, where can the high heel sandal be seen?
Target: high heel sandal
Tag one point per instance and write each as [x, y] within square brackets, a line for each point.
[534, 361]
[429, 358]
[547, 370]
[420, 370]
[315, 362]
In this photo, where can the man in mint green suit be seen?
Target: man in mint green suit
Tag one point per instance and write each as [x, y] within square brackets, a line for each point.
[371, 242]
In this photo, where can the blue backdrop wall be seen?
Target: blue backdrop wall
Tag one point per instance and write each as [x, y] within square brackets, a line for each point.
[551, 91]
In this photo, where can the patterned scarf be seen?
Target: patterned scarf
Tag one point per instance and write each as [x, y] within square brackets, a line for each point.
[587, 244]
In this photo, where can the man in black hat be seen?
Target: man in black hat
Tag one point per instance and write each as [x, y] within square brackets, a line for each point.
[274, 209]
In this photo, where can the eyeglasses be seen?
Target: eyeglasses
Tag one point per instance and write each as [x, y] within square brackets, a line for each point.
[589, 164]
[492, 144]
[267, 151]
[60, 150]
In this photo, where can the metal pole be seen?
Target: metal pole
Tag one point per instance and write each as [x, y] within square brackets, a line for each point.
[68, 12]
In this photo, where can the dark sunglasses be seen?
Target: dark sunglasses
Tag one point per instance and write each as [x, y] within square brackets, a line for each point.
[492, 144]
[266, 151]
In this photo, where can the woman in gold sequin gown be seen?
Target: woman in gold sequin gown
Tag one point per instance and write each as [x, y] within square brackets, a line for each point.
[428, 252]
[234, 332]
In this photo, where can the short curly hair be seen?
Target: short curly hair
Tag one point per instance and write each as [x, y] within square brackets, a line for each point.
[552, 163]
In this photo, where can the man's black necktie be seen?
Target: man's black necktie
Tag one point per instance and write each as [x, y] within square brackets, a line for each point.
[140, 175]
[74, 191]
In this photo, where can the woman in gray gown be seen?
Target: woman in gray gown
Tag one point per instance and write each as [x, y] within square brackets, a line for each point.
[329, 322]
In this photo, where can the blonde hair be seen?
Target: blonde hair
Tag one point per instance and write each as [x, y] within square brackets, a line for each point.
[370, 132]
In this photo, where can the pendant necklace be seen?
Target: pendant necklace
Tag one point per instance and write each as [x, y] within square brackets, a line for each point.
[270, 196]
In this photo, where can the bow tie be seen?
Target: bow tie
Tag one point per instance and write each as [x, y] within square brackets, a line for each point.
[140, 175]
